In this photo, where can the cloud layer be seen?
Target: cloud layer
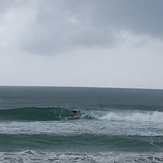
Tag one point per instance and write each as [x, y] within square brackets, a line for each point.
[56, 26]
[100, 43]
[62, 25]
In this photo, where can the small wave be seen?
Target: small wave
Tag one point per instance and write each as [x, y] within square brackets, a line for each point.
[135, 116]
[81, 142]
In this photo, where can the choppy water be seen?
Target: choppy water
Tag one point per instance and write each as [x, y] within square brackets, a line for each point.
[115, 125]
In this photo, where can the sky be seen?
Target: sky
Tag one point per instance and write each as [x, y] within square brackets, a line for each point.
[88, 43]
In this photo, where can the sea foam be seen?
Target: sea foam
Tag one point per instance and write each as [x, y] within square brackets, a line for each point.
[136, 116]
[31, 156]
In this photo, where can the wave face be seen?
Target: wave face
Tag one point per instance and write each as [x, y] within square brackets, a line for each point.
[115, 125]
[35, 113]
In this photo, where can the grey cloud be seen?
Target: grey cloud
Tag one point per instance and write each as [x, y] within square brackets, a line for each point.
[5, 5]
[61, 25]
[141, 16]
[9, 4]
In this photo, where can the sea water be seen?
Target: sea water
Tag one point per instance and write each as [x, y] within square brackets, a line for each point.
[115, 125]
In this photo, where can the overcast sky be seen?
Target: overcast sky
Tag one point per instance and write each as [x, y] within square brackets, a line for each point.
[93, 43]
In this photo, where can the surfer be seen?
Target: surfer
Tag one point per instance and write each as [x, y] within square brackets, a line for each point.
[75, 115]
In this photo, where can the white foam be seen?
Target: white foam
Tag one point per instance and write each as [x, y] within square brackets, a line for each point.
[154, 116]
[31, 156]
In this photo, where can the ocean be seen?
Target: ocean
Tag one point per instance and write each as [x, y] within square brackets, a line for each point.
[114, 125]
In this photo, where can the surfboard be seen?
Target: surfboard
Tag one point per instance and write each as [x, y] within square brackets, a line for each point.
[75, 117]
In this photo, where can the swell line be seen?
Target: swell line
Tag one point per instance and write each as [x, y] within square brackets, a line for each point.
[91, 142]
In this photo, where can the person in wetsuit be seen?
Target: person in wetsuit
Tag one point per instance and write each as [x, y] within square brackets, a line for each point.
[74, 113]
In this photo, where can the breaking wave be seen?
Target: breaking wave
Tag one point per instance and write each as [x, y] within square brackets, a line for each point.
[135, 116]
[59, 113]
